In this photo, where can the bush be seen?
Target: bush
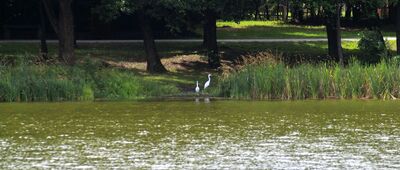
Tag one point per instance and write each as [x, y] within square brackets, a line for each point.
[372, 46]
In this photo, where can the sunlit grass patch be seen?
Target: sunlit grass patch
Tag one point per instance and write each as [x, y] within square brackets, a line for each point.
[279, 29]
[249, 23]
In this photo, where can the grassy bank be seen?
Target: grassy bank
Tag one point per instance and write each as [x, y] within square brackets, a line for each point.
[306, 81]
[79, 83]
[118, 71]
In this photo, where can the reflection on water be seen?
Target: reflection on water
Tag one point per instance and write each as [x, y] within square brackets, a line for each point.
[186, 135]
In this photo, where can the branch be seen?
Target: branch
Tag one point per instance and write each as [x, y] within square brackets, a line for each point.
[49, 8]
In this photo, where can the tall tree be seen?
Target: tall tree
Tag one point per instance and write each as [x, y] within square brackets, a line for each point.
[332, 13]
[154, 64]
[63, 26]
[146, 12]
[212, 10]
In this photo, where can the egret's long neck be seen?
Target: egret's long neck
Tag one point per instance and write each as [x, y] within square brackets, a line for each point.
[209, 78]
[197, 83]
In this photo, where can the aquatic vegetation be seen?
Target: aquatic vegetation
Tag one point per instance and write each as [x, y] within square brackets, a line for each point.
[63, 83]
[308, 81]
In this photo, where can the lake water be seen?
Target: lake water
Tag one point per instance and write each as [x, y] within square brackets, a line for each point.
[190, 135]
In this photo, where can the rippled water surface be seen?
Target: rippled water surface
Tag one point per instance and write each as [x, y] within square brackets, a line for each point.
[215, 135]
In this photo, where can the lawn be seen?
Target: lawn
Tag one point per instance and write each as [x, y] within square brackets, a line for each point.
[278, 29]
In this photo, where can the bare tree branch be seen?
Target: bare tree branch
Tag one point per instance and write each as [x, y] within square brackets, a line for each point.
[49, 8]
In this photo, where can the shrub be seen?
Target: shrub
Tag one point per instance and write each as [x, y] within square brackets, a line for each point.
[372, 46]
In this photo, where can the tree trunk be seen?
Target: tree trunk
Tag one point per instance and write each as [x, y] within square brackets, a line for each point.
[357, 12]
[398, 28]
[392, 13]
[154, 64]
[63, 27]
[257, 14]
[205, 34]
[334, 35]
[285, 12]
[43, 44]
[212, 45]
[348, 11]
[66, 32]
[267, 15]
[277, 12]
[75, 5]
[257, 4]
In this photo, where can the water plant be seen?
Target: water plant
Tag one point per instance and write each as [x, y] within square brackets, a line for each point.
[312, 81]
[25, 83]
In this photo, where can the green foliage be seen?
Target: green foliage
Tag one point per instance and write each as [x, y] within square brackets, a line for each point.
[372, 46]
[277, 81]
[172, 12]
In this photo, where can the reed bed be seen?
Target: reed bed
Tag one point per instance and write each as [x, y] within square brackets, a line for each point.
[26, 83]
[277, 81]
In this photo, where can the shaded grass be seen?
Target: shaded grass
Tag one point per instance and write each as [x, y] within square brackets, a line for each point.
[134, 51]
[278, 29]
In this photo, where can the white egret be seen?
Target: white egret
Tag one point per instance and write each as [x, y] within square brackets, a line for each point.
[197, 89]
[208, 82]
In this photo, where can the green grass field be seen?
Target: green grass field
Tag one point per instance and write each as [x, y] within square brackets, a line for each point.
[278, 29]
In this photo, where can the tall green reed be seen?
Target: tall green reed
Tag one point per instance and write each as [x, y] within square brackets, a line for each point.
[25, 83]
[308, 81]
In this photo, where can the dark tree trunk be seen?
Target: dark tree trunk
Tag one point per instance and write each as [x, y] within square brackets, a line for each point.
[205, 34]
[212, 45]
[43, 44]
[75, 5]
[398, 28]
[257, 14]
[277, 12]
[257, 4]
[66, 32]
[285, 11]
[348, 11]
[334, 35]
[154, 64]
[357, 12]
[392, 13]
[267, 14]
[64, 28]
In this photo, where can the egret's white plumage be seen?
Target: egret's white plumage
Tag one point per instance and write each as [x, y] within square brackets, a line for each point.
[208, 82]
[197, 89]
